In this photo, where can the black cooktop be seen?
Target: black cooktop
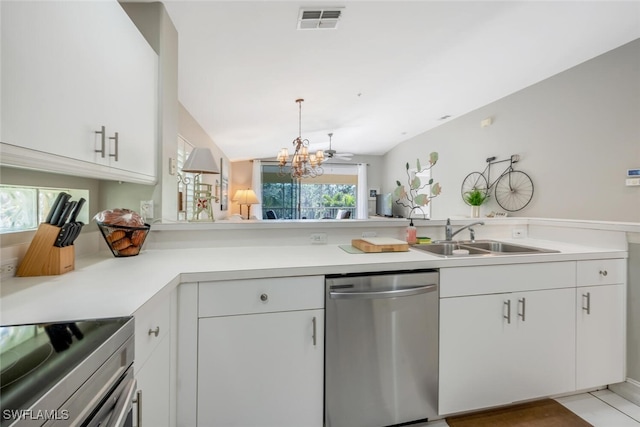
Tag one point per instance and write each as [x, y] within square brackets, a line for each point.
[33, 358]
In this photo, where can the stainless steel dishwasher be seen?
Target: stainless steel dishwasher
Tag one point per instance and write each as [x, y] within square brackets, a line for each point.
[381, 364]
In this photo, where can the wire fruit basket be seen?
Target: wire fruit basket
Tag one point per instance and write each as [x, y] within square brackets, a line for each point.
[122, 240]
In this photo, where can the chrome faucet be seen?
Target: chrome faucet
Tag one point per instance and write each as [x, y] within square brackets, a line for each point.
[449, 233]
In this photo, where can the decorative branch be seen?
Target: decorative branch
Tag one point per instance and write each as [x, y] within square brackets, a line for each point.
[414, 199]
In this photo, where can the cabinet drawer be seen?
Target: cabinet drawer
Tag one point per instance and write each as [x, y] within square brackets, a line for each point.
[493, 279]
[231, 297]
[153, 316]
[602, 272]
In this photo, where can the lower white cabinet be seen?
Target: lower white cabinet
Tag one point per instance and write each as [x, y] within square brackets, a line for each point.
[154, 388]
[601, 321]
[154, 362]
[261, 370]
[260, 351]
[600, 341]
[515, 332]
[501, 348]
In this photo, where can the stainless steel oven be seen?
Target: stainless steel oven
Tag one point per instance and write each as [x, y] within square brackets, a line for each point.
[77, 373]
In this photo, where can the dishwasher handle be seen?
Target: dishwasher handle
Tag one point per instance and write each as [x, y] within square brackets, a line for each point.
[384, 294]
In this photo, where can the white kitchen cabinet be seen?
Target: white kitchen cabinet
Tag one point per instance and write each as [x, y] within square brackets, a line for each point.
[498, 348]
[262, 364]
[154, 361]
[490, 355]
[600, 319]
[153, 383]
[68, 69]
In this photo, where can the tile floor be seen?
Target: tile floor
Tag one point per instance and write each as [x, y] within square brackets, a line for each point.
[601, 408]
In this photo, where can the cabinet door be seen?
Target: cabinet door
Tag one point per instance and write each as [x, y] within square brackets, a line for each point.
[601, 335]
[261, 370]
[130, 97]
[490, 355]
[475, 352]
[154, 387]
[51, 75]
[544, 343]
[69, 68]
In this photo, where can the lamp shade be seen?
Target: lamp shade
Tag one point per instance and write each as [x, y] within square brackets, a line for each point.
[245, 197]
[200, 161]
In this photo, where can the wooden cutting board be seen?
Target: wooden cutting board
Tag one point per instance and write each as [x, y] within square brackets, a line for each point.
[380, 244]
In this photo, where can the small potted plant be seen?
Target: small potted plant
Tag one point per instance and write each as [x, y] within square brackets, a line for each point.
[475, 198]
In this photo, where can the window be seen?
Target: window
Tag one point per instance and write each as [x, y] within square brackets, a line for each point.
[319, 198]
[185, 192]
[24, 208]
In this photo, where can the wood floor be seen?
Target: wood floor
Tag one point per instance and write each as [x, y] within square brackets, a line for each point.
[601, 408]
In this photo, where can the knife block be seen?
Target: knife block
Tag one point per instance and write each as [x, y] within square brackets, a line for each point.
[44, 259]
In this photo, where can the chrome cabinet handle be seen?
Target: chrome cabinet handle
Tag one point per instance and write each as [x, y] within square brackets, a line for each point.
[102, 134]
[587, 296]
[155, 331]
[524, 305]
[264, 297]
[138, 402]
[508, 315]
[313, 335]
[603, 273]
[115, 140]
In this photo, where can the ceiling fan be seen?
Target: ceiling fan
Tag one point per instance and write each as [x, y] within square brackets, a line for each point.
[330, 153]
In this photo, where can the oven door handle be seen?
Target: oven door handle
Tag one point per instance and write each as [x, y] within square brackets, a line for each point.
[123, 405]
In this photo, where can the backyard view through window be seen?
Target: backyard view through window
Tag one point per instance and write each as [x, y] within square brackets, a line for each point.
[319, 198]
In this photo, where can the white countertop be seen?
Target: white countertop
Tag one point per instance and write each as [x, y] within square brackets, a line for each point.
[104, 286]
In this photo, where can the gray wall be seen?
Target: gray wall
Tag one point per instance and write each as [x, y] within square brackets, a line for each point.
[191, 130]
[576, 132]
[155, 25]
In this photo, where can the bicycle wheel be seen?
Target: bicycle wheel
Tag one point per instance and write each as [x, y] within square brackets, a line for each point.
[474, 181]
[514, 190]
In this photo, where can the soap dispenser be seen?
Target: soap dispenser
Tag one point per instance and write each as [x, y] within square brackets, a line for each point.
[412, 233]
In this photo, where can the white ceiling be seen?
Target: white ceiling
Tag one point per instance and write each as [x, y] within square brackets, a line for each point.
[389, 72]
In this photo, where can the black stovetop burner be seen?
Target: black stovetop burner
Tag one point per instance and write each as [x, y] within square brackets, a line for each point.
[33, 358]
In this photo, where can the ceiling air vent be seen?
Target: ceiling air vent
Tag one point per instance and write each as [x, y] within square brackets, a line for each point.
[319, 19]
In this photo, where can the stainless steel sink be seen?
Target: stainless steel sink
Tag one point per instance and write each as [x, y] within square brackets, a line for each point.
[493, 246]
[479, 248]
[446, 249]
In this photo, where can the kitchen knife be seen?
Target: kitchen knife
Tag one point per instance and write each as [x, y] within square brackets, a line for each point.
[76, 226]
[76, 211]
[55, 205]
[59, 208]
[68, 207]
[64, 231]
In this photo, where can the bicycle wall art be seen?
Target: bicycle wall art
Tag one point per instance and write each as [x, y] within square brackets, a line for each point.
[513, 189]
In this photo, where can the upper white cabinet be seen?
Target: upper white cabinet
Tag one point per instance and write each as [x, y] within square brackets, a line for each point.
[68, 70]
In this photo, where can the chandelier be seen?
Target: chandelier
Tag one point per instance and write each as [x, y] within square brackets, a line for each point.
[303, 164]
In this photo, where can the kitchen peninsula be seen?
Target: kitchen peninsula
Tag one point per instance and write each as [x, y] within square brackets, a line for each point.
[160, 287]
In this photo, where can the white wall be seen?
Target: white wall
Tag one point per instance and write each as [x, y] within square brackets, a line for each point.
[576, 132]
[191, 130]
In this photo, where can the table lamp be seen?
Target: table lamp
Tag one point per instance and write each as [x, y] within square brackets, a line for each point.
[200, 161]
[246, 197]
